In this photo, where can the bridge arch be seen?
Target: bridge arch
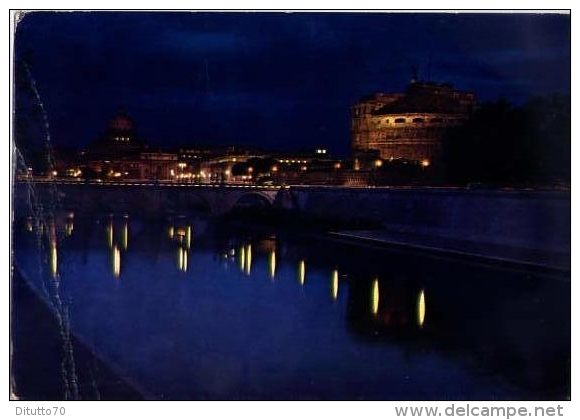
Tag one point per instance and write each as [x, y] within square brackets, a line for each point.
[252, 199]
[194, 201]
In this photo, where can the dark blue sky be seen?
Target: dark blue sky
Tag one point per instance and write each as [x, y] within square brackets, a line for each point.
[273, 80]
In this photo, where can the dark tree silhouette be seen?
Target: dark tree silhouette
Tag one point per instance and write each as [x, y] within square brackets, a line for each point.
[506, 145]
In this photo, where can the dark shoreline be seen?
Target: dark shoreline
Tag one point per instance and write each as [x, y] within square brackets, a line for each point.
[36, 348]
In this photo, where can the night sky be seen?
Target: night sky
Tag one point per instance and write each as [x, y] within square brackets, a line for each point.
[272, 80]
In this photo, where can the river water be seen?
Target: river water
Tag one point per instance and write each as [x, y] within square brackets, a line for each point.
[188, 308]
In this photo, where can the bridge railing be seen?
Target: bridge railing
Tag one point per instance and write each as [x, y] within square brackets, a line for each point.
[141, 182]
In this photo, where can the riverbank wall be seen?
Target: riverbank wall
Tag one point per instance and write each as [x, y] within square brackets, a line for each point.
[529, 219]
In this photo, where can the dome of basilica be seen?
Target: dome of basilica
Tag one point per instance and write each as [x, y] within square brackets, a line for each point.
[121, 123]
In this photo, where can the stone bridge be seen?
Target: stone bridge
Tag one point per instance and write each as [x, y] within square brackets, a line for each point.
[151, 198]
[523, 219]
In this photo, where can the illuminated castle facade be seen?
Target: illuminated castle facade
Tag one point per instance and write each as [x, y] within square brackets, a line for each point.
[411, 125]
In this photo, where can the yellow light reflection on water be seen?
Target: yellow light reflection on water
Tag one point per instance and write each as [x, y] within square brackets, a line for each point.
[301, 272]
[183, 259]
[334, 290]
[375, 297]
[421, 308]
[242, 259]
[69, 225]
[116, 262]
[248, 259]
[110, 233]
[53, 257]
[180, 258]
[171, 231]
[125, 235]
[272, 264]
[53, 250]
[188, 237]
[68, 228]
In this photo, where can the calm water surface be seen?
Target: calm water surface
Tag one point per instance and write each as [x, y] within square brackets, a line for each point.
[184, 308]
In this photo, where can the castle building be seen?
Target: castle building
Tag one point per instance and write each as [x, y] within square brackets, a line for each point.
[410, 125]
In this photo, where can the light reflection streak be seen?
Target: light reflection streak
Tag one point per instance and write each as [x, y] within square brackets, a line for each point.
[53, 250]
[53, 257]
[375, 297]
[116, 262]
[301, 272]
[52, 231]
[248, 259]
[110, 233]
[182, 259]
[242, 259]
[69, 224]
[272, 264]
[421, 308]
[188, 237]
[68, 228]
[125, 235]
[171, 231]
[334, 284]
